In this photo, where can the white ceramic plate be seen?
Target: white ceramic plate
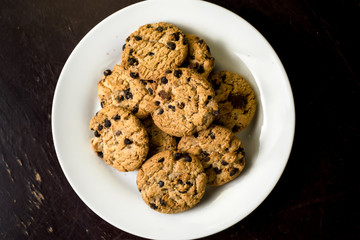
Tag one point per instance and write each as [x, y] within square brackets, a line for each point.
[237, 47]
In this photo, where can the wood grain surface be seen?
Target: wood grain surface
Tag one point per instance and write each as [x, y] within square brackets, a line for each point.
[317, 197]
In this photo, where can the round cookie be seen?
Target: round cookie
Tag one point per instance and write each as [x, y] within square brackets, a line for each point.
[236, 99]
[199, 57]
[220, 152]
[153, 49]
[158, 140]
[120, 138]
[125, 89]
[185, 103]
[171, 182]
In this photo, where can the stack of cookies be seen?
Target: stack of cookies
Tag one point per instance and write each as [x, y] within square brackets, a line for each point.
[167, 114]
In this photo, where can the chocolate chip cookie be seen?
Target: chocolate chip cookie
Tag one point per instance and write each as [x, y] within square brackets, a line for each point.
[199, 57]
[154, 48]
[120, 139]
[236, 99]
[171, 182]
[220, 152]
[185, 103]
[125, 89]
[158, 140]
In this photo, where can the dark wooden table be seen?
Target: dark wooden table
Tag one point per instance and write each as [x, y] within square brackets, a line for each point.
[317, 197]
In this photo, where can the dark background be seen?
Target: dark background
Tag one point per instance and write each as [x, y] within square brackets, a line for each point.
[317, 197]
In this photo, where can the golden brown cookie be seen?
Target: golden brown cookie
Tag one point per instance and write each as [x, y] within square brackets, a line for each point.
[220, 152]
[236, 99]
[158, 140]
[185, 103]
[120, 138]
[153, 49]
[125, 89]
[199, 57]
[171, 182]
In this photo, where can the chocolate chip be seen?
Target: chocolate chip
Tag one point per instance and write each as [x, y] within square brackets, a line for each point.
[96, 134]
[162, 203]
[183, 191]
[131, 52]
[171, 45]
[153, 206]
[138, 38]
[134, 75]
[100, 127]
[150, 91]
[118, 133]
[143, 82]
[161, 111]
[157, 103]
[120, 98]
[168, 71]
[207, 48]
[128, 38]
[200, 41]
[177, 156]
[161, 183]
[164, 95]
[238, 101]
[217, 170]
[177, 73]
[216, 86]
[107, 123]
[148, 26]
[181, 105]
[100, 154]
[187, 158]
[216, 112]
[172, 108]
[151, 54]
[102, 104]
[164, 80]
[128, 94]
[133, 61]
[159, 29]
[185, 41]
[211, 134]
[127, 141]
[196, 134]
[235, 128]
[192, 57]
[200, 69]
[176, 36]
[189, 183]
[224, 163]
[195, 193]
[179, 181]
[161, 160]
[135, 110]
[188, 79]
[107, 72]
[239, 150]
[117, 117]
[233, 172]
[123, 47]
[223, 77]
